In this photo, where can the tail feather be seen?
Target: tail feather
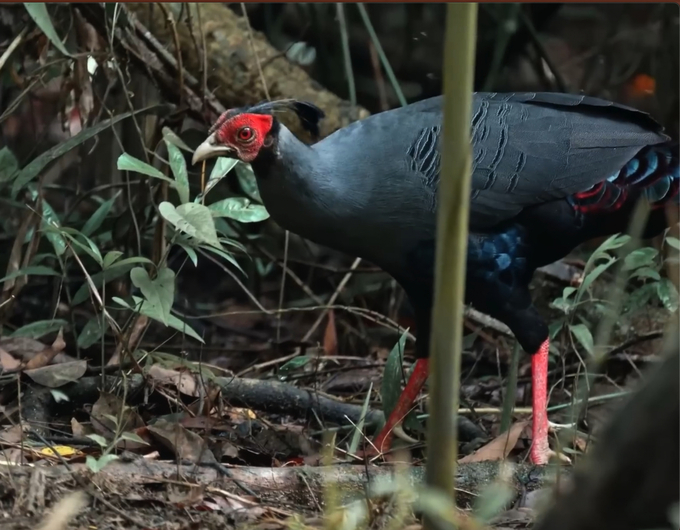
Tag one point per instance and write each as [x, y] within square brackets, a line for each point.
[654, 172]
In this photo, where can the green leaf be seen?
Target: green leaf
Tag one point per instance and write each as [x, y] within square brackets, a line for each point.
[97, 465]
[191, 253]
[111, 258]
[240, 209]
[390, 389]
[611, 243]
[35, 167]
[38, 13]
[97, 438]
[670, 240]
[220, 170]
[40, 328]
[640, 297]
[130, 163]
[583, 336]
[111, 273]
[50, 224]
[646, 272]
[668, 294]
[593, 275]
[639, 257]
[159, 292]
[9, 166]
[359, 428]
[170, 136]
[179, 170]
[132, 437]
[90, 249]
[248, 181]
[92, 332]
[294, 364]
[568, 291]
[150, 311]
[36, 270]
[224, 254]
[193, 219]
[97, 218]
[563, 305]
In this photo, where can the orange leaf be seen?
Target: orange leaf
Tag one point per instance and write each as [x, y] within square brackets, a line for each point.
[498, 448]
[330, 338]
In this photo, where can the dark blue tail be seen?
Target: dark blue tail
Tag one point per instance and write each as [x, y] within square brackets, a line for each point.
[654, 172]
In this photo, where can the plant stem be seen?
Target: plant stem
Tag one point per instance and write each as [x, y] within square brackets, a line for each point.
[452, 231]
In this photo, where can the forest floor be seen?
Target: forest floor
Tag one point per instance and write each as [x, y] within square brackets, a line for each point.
[262, 465]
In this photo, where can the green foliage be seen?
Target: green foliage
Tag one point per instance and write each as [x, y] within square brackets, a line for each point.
[643, 267]
[39, 14]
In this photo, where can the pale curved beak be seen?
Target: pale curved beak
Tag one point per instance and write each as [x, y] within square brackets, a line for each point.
[210, 148]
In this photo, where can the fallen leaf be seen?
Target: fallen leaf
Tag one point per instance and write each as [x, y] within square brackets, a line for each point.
[107, 408]
[7, 362]
[183, 381]
[56, 375]
[186, 445]
[330, 337]
[498, 448]
[47, 355]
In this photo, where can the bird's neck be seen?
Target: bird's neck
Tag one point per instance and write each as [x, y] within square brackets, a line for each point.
[296, 187]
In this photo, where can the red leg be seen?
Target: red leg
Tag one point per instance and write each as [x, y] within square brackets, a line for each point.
[415, 384]
[540, 449]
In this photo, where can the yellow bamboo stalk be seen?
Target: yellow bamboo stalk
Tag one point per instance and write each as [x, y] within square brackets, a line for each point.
[452, 232]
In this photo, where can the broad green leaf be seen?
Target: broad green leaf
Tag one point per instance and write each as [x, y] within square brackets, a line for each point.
[92, 332]
[132, 437]
[99, 439]
[41, 17]
[170, 136]
[646, 272]
[294, 364]
[50, 224]
[611, 243]
[35, 270]
[224, 254]
[639, 257]
[35, 167]
[562, 304]
[248, 181]
[220, 170]
[390, 390]
[670, 240]
[191, 253]
[568, 291]
[668, 294]
[240, 209]
[9, 166]
[40, 328]
[179, 170]
[593, 275]
[640, 297]
[193, 219]
[159, 292]
[110, 258]
[130, 163]
[97, 218]
[583, 336]
[111, 273]
[90, 249]
[150, 311]
[97, 465]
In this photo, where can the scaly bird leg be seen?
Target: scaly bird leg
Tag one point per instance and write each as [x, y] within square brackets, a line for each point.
[540, 449]
[413, 387]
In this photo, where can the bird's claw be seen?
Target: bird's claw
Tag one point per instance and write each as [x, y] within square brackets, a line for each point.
[398, 431]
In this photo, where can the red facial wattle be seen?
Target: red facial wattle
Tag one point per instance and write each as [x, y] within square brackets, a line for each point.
[245, 133]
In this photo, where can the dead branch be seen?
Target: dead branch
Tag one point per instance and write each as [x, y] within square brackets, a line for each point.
[292, 485]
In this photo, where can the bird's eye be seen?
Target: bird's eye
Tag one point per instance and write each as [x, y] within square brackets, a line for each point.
[245, 134]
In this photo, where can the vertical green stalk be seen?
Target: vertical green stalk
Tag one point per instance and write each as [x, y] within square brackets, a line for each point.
[452, 232]
[346, 55]
[381, 54]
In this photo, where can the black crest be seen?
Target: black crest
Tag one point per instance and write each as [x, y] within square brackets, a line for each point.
[309, 114]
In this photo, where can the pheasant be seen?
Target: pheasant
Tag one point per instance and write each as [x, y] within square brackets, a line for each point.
[549, 172]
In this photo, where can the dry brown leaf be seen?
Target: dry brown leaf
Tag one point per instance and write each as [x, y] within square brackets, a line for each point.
[7, 362]
[185, 382]
[56, 375]
[330, 337]
[185, 444]
[498, 448]
[45, 357]
[109, 406]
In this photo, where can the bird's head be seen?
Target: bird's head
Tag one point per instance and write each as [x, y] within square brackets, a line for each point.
[244, 133]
